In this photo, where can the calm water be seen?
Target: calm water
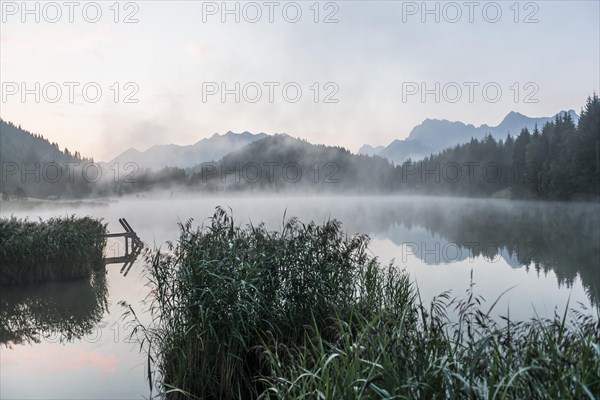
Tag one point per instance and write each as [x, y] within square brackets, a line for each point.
[547, 253]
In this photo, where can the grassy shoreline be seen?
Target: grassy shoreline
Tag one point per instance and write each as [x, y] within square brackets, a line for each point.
[241, 312]
[55, 249]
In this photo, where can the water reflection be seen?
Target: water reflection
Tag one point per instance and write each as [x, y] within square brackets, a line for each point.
[564, 238]
[541, 237]
[536, 236]
[56, 311]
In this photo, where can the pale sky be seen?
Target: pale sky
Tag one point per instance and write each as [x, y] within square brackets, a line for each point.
[372, 57]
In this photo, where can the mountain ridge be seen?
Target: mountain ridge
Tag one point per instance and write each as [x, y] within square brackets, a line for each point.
[434, 135]
[212, 148]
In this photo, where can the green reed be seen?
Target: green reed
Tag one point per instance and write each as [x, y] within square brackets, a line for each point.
[307, 312]
[473, 357]
[54, 249]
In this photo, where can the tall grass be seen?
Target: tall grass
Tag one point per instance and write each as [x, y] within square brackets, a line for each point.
[307, 313]
[474, 357]
[55, 249]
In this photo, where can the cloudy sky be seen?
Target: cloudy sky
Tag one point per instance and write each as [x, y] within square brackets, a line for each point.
[101, 78]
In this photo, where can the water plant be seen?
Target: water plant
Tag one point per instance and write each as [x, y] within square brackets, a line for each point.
[53, 249]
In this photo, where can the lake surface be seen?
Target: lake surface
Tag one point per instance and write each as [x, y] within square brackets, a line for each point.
[548, 253]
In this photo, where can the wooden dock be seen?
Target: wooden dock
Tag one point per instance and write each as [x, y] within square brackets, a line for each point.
[133, 247]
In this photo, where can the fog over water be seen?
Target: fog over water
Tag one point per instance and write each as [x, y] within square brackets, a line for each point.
[429, 235]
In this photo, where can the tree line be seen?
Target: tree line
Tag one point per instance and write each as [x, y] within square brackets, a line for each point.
[559, 161]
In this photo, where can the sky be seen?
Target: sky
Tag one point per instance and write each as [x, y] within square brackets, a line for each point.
[101, 77]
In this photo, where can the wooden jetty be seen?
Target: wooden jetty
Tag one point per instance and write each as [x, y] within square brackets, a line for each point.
[133, 247]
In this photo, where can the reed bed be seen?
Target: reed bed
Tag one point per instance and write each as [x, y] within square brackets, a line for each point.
[55, 249]
[472, 358]
[307, 312]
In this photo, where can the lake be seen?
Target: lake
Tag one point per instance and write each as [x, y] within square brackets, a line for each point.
[71, 341]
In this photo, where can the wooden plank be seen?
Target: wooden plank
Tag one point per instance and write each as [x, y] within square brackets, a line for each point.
[116, 260]
[123, 234]
[129, 228]
[125, 225]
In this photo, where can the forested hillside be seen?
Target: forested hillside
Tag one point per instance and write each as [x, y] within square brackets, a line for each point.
[33, 166]
[560, 160]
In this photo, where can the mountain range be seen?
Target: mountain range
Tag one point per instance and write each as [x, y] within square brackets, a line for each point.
[171, 155]
[434, 135]
[431, 136]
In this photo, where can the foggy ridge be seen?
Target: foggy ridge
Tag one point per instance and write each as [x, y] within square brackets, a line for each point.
[172, 155]
[434, 135]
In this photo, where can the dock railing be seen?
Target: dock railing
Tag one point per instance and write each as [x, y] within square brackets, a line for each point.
[133, 247]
